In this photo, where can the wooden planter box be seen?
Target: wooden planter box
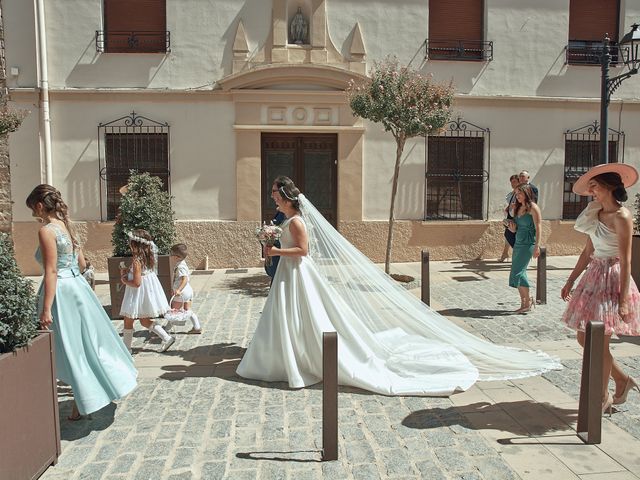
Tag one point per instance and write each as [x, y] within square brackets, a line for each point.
[30, 432]
[166, 264]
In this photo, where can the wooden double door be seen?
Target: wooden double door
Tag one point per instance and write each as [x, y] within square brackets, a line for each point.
[310, 160]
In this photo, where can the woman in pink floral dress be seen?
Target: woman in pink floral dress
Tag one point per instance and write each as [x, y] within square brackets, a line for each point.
[606, 292]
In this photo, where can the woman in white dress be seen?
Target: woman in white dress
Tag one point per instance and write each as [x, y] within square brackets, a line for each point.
[388, 341]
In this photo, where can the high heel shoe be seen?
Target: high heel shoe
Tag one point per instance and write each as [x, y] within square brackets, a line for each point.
[607, 406]
[529, 305]
[631, 383]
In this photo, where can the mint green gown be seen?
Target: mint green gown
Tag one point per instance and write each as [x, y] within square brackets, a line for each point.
[522, 250]
[90, 356]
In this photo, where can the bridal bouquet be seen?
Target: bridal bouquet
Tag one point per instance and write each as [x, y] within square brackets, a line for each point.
[267, 236]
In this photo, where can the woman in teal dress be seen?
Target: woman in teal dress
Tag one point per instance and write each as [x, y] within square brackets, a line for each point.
[526, 225]
[90, 357]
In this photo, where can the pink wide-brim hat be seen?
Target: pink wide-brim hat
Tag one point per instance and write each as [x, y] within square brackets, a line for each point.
[628, 174]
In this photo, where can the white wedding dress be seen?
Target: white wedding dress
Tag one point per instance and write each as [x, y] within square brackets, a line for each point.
[388, 341]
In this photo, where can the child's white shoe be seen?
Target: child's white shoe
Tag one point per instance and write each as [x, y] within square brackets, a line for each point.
[166, 344]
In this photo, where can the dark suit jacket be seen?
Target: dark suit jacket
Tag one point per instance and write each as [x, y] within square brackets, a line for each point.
[271, 269]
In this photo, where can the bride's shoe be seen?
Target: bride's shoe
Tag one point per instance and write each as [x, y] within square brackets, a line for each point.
[631, 383]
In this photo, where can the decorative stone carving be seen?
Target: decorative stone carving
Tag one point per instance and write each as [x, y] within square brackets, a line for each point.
[240, 48]
[277, 115]
[299, 29]
[322, 116]
[299, 115]
[302, 40]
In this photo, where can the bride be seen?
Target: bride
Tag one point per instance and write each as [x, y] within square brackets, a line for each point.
[389, 342]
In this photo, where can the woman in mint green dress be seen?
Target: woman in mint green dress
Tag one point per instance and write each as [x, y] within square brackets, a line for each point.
[526, 225]
[90, 357]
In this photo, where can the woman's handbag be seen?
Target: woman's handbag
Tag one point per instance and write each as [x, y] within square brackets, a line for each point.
[177, 316]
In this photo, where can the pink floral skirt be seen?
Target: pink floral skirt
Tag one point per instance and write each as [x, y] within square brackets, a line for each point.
[596, 298]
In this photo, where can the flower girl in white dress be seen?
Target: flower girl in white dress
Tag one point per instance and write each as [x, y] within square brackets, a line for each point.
[388, 341]
[144, 297]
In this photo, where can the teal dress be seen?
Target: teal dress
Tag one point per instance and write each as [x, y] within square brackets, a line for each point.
[90, 356]
[522, 250]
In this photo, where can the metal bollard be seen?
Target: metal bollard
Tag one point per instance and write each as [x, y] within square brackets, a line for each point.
[425, 292]
[541, 277]
[329, 396]
[590, 406]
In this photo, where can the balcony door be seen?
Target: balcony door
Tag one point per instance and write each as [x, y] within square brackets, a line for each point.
[310, 160]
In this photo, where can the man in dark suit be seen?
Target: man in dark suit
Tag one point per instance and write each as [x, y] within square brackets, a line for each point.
[271, 268]
[524, 178]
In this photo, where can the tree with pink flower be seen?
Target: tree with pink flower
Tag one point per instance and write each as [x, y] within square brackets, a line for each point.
[407, 103]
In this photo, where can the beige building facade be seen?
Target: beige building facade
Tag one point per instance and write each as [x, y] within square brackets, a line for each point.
[219, 97]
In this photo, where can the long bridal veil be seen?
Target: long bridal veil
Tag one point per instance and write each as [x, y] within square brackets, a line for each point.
[390, 312]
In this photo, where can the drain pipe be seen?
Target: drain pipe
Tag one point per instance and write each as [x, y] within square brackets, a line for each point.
[43, 84]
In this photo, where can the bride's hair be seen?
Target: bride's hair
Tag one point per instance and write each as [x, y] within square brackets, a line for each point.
[288, 190]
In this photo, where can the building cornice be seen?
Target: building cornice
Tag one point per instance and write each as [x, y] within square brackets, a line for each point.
[247, 94]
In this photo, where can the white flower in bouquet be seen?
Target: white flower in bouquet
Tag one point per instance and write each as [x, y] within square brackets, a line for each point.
[268, 235]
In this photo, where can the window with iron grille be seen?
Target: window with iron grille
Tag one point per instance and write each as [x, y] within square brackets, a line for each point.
[130, 143]
[138, 26]
[589, 22]
[581, 152]
[455, 173]
[456, 31]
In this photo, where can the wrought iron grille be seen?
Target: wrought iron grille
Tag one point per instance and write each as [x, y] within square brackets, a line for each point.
[133, 142]
[459, 50]
[587, 52]
[581, 152]
[455, 172]
[133, 42]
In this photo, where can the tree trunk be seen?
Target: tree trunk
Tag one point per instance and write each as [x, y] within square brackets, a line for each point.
[5, 177]
[400, 139]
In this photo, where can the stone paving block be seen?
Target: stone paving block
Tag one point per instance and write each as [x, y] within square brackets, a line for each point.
[452, 460]
[181, 476]
[160, 448]
[73, 457]
[123, 463]
[359, 453]
[271, 471]
[149, 470]
[213, 470]
[396, 462]
[183, 457]
[428, 469]
[369, 472]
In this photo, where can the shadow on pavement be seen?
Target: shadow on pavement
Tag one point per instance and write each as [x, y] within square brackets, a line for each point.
[474, 313]
[523, 418]
[255, 286]
[74, 430]
[302, 456]
[221, 360]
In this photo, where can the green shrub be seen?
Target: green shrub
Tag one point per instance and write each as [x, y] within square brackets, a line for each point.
[144, 205]
[18, 321]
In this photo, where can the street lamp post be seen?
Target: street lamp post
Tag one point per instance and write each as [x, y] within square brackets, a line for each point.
[629, 50]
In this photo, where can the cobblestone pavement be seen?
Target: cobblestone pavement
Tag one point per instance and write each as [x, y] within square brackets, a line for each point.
[191, 417]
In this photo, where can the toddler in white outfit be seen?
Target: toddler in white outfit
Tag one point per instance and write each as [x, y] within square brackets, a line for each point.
[182, 288]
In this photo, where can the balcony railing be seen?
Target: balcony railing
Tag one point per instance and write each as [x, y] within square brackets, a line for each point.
[588, 52]
[133, 42]
[471, 50]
